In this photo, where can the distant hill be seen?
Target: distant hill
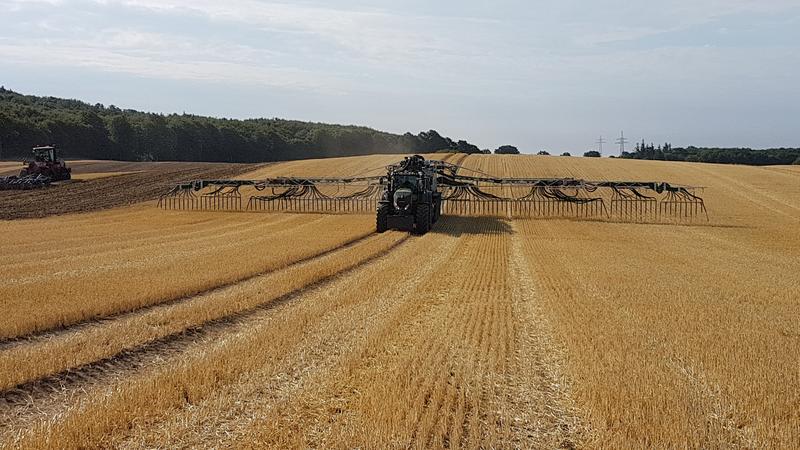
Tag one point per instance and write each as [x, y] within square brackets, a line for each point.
[108, 132]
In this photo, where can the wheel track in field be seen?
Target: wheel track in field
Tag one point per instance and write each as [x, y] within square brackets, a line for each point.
[436, 397]
[90, 225]
[459, 159]
[450, 389]
[55, 332]
[145, 261]
[397, 307]
[67, 344]
[436, 425]
[307, 364]
[31, 398]
[144, 255]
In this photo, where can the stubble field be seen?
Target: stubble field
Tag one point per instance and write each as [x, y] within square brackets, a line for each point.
[136, 327]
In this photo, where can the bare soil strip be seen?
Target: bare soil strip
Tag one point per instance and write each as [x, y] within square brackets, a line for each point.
[108, 192]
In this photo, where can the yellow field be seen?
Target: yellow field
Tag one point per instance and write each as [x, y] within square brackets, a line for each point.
[68, 269]
[137, 327]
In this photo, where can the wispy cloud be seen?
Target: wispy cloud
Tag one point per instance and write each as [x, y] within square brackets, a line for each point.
[330, 44]
[535, 55]
[372, 33]
[163, 57]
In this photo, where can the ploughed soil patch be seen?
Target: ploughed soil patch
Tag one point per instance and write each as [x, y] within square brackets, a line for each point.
[151, 180]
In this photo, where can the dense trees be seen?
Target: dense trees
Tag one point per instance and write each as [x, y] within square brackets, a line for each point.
[666, 152]
[96, 131]
[591, 154]
[507, 150]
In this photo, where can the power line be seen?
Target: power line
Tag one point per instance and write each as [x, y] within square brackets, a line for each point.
[600, 143]
[622, 141]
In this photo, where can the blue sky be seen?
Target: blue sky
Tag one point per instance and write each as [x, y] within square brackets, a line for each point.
[537, 74]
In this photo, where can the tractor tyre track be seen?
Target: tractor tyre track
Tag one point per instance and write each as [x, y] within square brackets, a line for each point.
[70, 341]
[52, 333]
[339, 337]
[433, 374]
[28, 400]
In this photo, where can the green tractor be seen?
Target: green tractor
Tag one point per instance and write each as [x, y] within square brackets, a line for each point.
[410, 200]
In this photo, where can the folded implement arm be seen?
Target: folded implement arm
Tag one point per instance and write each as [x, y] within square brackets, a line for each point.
[478, 195]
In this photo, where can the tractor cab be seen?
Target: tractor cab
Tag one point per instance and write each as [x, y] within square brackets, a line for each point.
[45, 154]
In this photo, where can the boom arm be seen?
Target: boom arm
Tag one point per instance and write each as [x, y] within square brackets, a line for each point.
[469, 194]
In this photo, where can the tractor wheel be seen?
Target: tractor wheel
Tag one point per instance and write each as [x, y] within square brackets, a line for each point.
[422, 220]
[382, 219]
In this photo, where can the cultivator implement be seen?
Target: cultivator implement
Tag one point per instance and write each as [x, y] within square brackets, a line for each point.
[43, 169]
[14, 183]
[456, 194]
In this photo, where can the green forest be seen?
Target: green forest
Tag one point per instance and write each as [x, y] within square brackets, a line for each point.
[81, 130]
[748, 156]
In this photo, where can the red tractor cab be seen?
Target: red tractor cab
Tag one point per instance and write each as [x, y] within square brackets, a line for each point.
[46, 163]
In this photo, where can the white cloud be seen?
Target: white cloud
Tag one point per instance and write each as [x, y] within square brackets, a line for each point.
[374, 34]
[163, 57]
[343, 49]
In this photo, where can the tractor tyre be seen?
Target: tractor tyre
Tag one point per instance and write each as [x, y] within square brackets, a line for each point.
[382, 219]
[422, 219]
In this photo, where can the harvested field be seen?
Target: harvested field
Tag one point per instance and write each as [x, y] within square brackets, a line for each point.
[147, 182]
[10, 167]
[132, 258]
[137, 327]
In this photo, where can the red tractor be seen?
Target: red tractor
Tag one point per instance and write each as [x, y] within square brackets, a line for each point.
[46, 163]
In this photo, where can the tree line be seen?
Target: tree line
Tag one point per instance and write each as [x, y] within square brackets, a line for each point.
[81, 130]
[748, 156]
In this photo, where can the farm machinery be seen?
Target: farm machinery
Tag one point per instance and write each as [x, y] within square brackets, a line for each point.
[415, 192]
[44, 168]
